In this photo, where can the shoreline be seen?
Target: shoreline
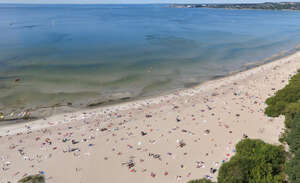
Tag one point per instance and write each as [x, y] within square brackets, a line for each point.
[129, 99]
[143, 99]
[190, 131]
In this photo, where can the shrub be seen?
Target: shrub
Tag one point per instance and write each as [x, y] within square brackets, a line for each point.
[287, 102]
[255, 161]
[293, 140]
[201, 181]
[277, 104]
[292, 136]
[33, 179]
[293, 168]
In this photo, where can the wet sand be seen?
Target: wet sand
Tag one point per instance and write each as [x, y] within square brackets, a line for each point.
[171, 138]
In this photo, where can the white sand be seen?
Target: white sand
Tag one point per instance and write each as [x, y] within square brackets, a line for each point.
[212, 118]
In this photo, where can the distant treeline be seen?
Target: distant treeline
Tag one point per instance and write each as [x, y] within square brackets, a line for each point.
[266, 6]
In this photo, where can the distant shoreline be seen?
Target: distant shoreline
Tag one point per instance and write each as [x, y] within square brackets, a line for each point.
[247, 6]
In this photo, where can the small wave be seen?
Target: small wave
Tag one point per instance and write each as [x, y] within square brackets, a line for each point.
[25, 27]
[155, 86]
[171, 41]
[123, 80]
[190, 84]
[8, 77]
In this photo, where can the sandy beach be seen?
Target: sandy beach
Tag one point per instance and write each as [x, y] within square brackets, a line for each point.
[171, 138]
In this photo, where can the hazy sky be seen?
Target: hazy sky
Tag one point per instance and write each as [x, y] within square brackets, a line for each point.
[135, 1]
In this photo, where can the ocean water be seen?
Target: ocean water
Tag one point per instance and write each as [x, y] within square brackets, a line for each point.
[69, 57]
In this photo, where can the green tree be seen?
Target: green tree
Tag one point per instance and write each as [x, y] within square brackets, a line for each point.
[254, 162]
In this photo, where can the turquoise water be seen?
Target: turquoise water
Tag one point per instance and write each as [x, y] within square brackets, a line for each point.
[79, 55]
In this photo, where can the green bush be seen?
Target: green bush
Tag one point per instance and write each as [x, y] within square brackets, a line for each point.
[277, 105]
[292, 136]
[287, 102]
[293, 140]
[293, 168]
[33, 179]
[201, 181]
[254, 162]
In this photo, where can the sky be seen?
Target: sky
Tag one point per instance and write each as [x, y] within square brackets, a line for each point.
[135, 1]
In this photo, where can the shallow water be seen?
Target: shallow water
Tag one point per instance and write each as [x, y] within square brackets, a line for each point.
[72, 56]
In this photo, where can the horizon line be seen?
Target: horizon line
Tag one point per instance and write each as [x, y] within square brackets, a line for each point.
[82, 3]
